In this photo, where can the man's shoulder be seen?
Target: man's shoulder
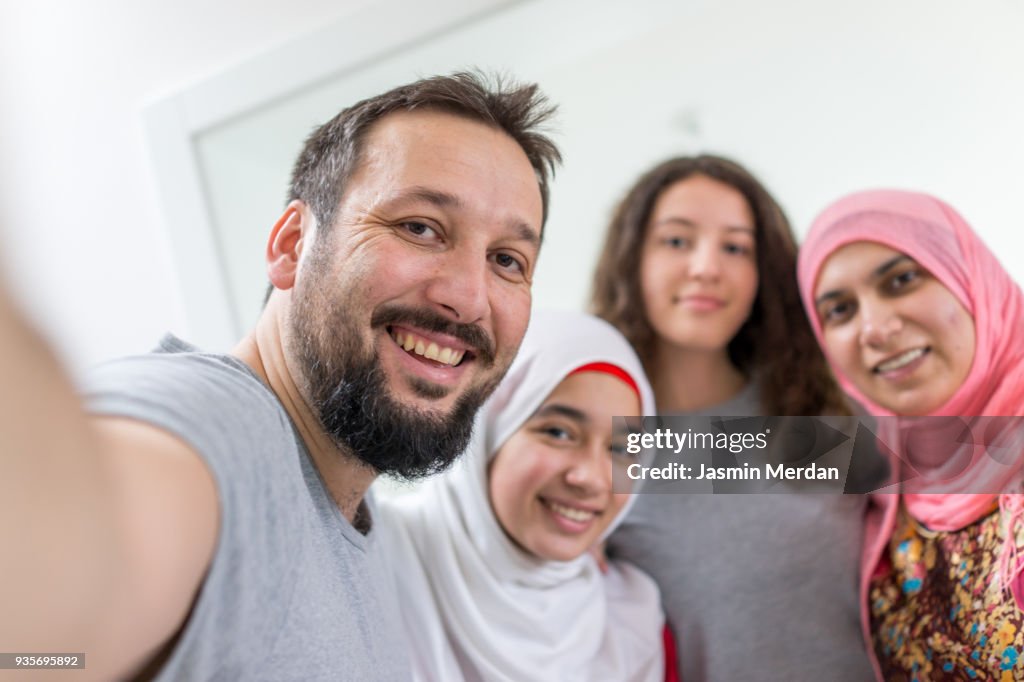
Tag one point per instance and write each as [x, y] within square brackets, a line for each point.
[176, 369]
[212, 401]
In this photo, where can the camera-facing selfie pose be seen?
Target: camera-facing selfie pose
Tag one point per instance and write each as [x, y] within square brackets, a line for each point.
[210, 506]
[918, 318]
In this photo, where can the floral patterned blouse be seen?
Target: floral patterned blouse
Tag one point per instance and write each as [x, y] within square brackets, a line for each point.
[939, 614]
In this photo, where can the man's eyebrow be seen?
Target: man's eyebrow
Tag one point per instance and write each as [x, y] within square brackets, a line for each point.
[562, 410]
[431, 196]
[522, 230]
[525, 233]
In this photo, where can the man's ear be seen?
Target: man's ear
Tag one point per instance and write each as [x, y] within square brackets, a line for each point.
[291, 232]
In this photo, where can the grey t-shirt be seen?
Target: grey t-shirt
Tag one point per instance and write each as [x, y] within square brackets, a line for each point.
[294, 591]
[755, 586]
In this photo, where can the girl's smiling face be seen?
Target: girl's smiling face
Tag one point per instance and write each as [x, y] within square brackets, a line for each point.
[903, 339]
[550, 484]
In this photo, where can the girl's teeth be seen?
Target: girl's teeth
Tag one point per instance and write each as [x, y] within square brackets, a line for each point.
[570, 513]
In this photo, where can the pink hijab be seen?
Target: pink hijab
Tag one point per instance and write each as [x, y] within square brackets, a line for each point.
[933, 233]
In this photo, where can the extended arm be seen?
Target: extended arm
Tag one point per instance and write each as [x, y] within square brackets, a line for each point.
[107, 525]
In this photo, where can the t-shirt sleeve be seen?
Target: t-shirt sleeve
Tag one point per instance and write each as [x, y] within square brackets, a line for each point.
[235, 424]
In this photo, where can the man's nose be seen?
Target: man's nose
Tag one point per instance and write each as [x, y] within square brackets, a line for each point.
[459, 285]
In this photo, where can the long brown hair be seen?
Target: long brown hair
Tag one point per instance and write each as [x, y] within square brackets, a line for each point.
[775, 342]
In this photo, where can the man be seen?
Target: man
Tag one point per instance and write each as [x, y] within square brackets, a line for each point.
[207, 520]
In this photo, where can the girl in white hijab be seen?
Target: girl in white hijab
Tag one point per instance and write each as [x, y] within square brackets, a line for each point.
[490, 560]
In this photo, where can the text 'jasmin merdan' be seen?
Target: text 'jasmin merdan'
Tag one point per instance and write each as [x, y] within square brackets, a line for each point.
[681, 472]
[666, 439]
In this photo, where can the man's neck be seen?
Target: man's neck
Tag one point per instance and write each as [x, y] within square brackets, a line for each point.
[687, 380]
[347, 479]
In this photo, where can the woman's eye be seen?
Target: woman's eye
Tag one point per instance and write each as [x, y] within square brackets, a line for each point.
[903, 279]
[837, 312]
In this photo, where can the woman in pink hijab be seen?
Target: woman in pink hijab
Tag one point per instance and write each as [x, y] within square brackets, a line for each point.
[919, 319]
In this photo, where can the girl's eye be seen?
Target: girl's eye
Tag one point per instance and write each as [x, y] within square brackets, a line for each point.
[619, 450]
[552, 430]
[737, 249]
[676, 242]
[621, 458]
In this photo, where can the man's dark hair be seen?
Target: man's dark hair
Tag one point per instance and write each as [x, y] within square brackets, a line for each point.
[331, 153]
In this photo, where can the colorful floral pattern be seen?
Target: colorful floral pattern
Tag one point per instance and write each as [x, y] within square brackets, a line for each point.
[939, 613]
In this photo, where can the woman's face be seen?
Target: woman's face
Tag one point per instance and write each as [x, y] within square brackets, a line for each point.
[551, 482]
[893, 329]
[698, 270]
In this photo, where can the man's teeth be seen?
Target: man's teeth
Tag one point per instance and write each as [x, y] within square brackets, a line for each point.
[570, 513]
[428, 349]
[901, 360]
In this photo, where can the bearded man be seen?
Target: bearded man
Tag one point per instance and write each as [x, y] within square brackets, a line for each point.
[211, 509]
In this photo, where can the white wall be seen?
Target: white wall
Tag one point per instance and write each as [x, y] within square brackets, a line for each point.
[80, 229]
[820, 98]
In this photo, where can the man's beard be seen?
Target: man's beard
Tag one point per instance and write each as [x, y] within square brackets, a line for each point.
[347, 389]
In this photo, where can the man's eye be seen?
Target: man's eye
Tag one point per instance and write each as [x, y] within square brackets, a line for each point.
[419, 229]
[508, 262]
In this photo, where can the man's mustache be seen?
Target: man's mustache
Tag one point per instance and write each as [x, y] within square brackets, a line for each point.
[480, 343]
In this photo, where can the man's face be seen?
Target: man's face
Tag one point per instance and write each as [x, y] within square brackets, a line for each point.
[409, 309]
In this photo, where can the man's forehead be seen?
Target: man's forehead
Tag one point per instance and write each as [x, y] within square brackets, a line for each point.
[413, 155]
[422, 134]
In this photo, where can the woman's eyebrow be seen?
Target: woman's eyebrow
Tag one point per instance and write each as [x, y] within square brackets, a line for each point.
[562, 410]
[828, 295]
[875, 274]
[890, 264]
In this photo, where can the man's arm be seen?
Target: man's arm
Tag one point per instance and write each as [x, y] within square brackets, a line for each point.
[107, 525]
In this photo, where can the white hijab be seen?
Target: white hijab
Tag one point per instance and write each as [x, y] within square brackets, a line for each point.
[477, 607]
